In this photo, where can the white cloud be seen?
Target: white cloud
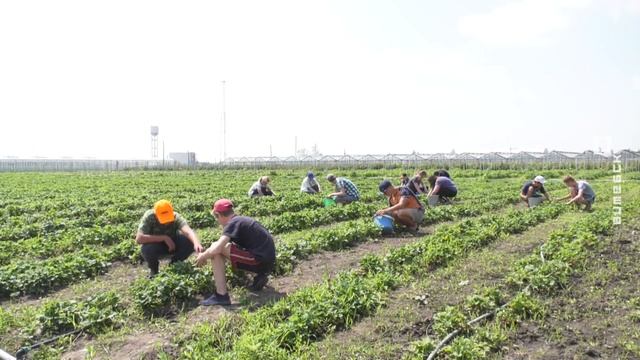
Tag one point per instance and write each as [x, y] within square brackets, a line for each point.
[522, 23]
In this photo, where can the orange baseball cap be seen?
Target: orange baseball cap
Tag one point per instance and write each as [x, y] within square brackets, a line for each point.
[164, 211]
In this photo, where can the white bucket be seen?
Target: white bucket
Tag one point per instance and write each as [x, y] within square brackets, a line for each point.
[535, 201]
[433, 200]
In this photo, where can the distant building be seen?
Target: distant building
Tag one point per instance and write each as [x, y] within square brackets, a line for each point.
[184, 158]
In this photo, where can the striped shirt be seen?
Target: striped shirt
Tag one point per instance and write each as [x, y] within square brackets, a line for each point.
[348, 186]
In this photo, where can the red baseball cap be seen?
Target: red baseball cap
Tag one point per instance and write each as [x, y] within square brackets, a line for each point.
[222, 205]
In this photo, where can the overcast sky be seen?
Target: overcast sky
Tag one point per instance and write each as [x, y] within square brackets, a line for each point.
[88, 79]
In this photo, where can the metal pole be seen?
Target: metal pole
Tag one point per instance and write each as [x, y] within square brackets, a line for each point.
[224, 121]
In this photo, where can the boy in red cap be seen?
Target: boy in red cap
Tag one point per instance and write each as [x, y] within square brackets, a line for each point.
[246, 243]
[163, 231]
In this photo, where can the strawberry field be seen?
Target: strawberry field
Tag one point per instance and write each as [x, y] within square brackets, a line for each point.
[478, 275]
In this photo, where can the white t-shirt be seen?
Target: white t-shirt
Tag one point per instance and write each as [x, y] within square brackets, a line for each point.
[258, 188]
[307, 185]
[587, 190]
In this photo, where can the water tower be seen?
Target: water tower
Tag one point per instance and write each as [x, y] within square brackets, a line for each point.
[154, 142]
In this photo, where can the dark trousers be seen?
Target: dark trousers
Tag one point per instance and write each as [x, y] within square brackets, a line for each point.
[448, 192]
[153, 252]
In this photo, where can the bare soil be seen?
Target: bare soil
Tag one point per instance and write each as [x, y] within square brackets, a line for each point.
[594, 317]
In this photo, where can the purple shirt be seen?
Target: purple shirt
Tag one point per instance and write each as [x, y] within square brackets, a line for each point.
[446, 183]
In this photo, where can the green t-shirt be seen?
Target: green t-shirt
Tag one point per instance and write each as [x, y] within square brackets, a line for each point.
[149, 225]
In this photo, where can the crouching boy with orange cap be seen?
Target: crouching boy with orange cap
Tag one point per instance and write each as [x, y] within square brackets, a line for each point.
[244, 242]
[164, 232]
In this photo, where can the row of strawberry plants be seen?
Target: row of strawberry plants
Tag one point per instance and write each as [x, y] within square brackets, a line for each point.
[274, 205]
[282, 329]
[39, 277]
[543, 273]
[96, 314]
[64, 242]
[309, 218]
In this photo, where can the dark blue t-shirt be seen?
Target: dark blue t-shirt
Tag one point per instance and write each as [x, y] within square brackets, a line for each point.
[536, 192]
[446, 184]
[251, 236]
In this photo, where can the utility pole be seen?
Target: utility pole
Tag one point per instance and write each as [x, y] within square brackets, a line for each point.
[224, 121]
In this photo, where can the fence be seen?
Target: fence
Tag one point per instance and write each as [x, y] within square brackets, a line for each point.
[549, 160]
[7, 165]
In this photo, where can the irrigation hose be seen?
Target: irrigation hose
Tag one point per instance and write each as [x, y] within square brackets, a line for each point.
[24, 350]
[455, 333]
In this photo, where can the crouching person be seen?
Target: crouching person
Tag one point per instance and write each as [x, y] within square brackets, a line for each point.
[346, 192]
[163, 232]
[404, 206]
[534, 189]
[245, 243]
[261, 188]
[444, 187]
[580, 193]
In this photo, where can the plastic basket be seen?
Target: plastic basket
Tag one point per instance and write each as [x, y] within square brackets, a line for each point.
[433, 200]
[384, 222]
[535, 201]
[327, 202]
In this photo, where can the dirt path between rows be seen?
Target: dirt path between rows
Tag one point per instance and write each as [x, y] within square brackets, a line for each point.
[598, 316]
[408, 314]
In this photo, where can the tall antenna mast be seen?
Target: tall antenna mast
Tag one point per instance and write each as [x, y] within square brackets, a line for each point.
[224, 122]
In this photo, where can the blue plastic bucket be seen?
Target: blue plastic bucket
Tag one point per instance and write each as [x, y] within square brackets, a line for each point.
[384, 222]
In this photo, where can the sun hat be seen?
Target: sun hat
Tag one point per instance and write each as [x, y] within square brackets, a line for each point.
[222, 205]
[384, 185]
[164, 211]
[539, 179]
